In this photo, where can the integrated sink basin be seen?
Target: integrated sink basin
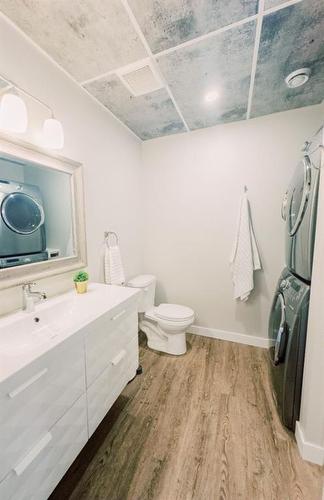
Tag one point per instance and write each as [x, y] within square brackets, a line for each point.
[62, 368]
[23, 332]
[25, 336]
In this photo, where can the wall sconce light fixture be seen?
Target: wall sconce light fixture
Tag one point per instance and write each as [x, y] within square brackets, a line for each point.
[14, 117]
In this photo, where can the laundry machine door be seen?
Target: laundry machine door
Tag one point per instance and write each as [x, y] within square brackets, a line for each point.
[22, 213]
[278, 334]
[299, 210]
[287, 333]
[301, 187]
[278, 329]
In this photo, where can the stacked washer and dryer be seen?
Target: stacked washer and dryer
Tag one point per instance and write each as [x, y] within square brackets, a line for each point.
[22, 224]
[289, 313]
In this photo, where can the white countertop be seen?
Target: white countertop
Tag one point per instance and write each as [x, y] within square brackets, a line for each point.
[23, 340]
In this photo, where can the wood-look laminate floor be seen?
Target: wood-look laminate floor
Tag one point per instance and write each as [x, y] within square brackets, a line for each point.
[202, 426]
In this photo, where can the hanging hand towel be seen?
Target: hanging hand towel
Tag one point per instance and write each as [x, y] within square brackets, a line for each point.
[245, 257]
[114, 271]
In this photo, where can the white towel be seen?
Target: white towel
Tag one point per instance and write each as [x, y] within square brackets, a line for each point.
[114, 271]
[245, 257]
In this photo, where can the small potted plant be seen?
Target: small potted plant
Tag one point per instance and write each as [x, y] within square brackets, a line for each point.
[81, 281]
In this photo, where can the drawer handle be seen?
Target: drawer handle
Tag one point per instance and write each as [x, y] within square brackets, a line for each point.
[117, 359]
[34, 452]
[118, 315]
[29, 382]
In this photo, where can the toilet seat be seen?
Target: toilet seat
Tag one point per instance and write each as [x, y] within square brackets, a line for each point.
[173, 312]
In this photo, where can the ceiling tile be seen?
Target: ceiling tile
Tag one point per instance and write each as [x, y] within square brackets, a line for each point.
[151, 115]
[291, 38]
[87, 37]
[166, 23]
[221, 63]
[268, 4]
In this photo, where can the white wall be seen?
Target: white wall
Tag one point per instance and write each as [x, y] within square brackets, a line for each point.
[109, 152]
[310, 430]
[192, 187]
[11, 171]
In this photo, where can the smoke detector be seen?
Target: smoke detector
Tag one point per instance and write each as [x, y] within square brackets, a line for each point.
[141, 80]
[297, 78]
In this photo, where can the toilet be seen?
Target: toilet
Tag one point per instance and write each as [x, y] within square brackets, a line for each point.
[165, 325]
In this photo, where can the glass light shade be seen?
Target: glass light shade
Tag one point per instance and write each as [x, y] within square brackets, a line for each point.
[13, 114]
[53, 135]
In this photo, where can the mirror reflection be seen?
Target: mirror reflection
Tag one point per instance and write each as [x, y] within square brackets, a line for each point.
[36, 218]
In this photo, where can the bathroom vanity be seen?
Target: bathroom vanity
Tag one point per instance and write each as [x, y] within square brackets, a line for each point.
[61, 369]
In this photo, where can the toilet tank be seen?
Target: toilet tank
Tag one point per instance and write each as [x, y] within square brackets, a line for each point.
[146, 283]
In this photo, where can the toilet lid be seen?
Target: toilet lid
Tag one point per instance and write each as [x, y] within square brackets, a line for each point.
[173, 312]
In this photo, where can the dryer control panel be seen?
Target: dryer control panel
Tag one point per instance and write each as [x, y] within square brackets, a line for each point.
[293, 290]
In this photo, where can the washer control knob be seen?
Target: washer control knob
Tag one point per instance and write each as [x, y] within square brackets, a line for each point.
[284, 284]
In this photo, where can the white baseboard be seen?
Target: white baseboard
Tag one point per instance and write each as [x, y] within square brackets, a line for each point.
[240, 338]
[308, 451]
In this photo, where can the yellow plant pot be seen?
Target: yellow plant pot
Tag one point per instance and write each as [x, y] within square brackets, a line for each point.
[81, 286]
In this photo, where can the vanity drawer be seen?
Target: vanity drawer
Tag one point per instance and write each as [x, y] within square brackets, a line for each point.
[107, 387]
[36, 397]
[107, 336]
[36, 474]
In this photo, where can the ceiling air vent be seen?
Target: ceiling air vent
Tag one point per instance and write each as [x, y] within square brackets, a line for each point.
[142, 80]
[297, 78]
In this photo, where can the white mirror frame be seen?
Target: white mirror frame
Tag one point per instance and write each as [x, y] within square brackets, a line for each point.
[14, 276]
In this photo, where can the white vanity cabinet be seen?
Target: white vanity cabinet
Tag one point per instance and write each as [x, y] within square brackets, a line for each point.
[35, 398]
[107, 337]
[39, 471]
[50, 407]
[111, 346]
[107, 387]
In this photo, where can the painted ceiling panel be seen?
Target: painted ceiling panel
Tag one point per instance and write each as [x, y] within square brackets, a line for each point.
[151, 115]
[268, 4]
[221, 63]
[87, 37]
[167, 23]
[291, 38]
[97, 40]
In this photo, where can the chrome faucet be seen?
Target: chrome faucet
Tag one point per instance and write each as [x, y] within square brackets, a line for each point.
[30, 297]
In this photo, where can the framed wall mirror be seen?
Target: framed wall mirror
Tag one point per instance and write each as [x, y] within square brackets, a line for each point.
[42, 227]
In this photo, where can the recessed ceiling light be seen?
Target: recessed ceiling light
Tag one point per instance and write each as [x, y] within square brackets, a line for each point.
[297, 78]
[211, 96]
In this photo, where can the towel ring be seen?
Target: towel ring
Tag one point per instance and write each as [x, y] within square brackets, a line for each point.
[109, 234]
